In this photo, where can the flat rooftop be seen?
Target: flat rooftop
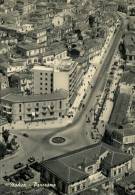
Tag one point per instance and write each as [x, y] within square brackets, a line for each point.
[128, 183]
[129, 42]
[18, 98]
[128, 77]
[57, 65]
[118, 115]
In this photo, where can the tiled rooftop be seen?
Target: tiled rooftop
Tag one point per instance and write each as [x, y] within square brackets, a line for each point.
[70, 167]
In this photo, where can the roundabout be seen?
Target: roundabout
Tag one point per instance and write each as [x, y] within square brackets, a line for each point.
[58, 140]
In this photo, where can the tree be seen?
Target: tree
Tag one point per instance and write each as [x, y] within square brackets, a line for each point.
[91, 21]
[5, 135]
[2, 150]
[13, 142]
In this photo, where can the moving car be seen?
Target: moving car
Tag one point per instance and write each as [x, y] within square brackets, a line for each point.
[31, 159]
[18, 165]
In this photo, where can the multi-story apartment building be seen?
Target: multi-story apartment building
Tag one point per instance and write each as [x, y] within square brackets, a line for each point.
[60, 74]
[42, 80]
[16, 107]
[67, 76]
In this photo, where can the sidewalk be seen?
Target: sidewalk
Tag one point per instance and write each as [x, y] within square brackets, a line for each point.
[89, 76]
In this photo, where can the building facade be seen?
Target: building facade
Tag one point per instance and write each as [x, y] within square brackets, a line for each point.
[60, 74]
[16, 107]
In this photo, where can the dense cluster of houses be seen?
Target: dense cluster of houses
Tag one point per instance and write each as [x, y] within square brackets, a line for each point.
[46, 42]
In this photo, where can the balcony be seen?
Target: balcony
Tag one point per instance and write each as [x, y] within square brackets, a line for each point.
[7, 106]
[44, 112]
[9, 112]
[44, 107]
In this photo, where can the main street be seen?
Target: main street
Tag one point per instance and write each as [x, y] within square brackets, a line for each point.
[39, 145]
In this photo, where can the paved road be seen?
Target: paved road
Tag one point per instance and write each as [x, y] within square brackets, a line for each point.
[38, 143]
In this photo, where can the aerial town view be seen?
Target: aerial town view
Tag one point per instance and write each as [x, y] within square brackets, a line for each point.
[67, 97]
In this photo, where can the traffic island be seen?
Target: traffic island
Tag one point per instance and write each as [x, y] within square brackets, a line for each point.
[58, 140]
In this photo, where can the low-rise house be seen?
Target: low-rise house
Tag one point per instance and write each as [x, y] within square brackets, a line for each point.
[11, 19]
[93, 47]
[119, 114]
[3, 82]
[23, 81]
[25, 7]
[131, 24]
[34, 107]
[83, 62]
[126, 186]
[72, 173]
[78, 170]
[25, 27]
[9, 40]
[39, 36]
[29, 49]
[11, 67]
[4, 48]
[116, 164]
[129, 44]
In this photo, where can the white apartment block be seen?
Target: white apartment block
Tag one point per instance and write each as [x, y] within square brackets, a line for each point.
[60, 74]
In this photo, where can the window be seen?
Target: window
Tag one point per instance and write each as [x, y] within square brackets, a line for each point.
[20, 118]
[73, 189]
[90, 168]
[78, 187]
[130, 57]
[41, 78]
[60, 104]
[41, 83]
[37, 104]
[51, 113]
[40, 88]
[119, 170]
[114, 173]
[20, 107]
[41, 73]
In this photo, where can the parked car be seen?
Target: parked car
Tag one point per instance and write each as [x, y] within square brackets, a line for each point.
[36, 166]
[25, 177]
[12, 179]
[25, 135]
[17, 177]
[30, 173]
[6, 178]
[31, 159]
[18, 165]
